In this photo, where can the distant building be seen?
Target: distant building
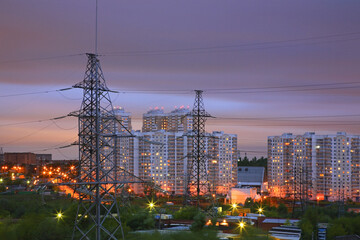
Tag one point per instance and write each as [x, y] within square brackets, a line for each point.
[285, 232]
[1, 156]
[239, 195]
[314, 166]
[24, 158]
[162, 151]
[123, 118]
[249, 176]
[43, 158]
[175, 121]
[267, 223]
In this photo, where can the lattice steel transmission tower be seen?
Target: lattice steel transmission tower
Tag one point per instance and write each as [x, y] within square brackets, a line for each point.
[198, 167]
[97, 183]
[301, 181]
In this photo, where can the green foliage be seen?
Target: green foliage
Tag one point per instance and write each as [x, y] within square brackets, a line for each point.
[4, 213]
[42, 228]
[24, 217]
[282, 210]
[344, 226]
[188, 213]
[249, 203]
[7, 230]
[261, 162]
[199, 222]
[252, 233]
[337, 226]
[36, 227]
[335, 230]
[307, 228]
[183, 235]
[141, 220]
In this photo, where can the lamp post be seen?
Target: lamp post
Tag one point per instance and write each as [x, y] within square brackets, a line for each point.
[59, 215]
[241, 227]
[233, 208]
[151, 205]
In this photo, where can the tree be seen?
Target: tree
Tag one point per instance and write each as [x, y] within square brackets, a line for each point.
[335, 230]
[199, 222]
[282, 210]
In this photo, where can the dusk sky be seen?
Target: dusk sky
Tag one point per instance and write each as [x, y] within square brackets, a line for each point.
[266, 67]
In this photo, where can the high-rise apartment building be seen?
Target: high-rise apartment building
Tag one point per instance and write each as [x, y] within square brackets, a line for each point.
[124, 119]
[163, 159]
[224, 163]
[125, 150]
[162, 151]
[314, 166]
[178, 120]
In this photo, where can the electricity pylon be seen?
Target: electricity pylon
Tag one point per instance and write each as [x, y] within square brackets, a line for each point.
[198, 167]
[98, 212]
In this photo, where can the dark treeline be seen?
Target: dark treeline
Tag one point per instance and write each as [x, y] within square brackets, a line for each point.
[254, 162]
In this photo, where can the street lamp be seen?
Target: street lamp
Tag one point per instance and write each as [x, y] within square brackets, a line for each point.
[59, 215]
[233, 208]
[151, 205]
[241, 227]
[260, 210]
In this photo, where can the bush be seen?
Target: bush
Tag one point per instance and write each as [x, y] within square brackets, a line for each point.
[141, 220]
[200, 235]
[199, 222]
[187, 213]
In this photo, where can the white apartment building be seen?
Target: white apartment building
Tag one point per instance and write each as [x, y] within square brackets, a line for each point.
[178, 120]
[314, 166]
[225, 161]
[162, 151]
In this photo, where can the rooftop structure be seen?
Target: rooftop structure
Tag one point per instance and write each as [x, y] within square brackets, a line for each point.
[250, 176]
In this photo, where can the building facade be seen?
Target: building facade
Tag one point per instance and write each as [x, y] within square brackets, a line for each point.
[162, 151]
[317, 167]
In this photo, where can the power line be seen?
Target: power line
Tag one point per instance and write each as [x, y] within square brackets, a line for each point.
[288, 117]
[290, 125]
[34, 121]
[284, 90]
[252, 151]
[288, 88]
[41, 58]
[56, 147]
[290, 120]
[33, 93]
[283, 118]
[26, 136]
[258, 45]
[210, 90]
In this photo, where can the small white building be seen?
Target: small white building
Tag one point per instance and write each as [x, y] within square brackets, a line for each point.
[239, 195]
